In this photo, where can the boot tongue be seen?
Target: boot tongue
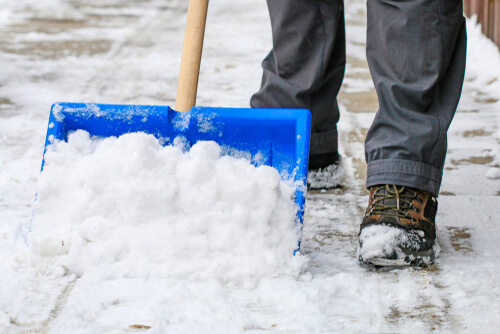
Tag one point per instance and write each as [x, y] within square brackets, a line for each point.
[395, 193]
[390, 202]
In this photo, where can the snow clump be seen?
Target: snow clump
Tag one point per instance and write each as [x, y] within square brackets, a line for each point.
[130, 207]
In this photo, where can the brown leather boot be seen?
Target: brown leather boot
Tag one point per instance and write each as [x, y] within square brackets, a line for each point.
[398, 228]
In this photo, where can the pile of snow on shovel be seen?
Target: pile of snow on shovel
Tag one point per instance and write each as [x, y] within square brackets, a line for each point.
[131, 207]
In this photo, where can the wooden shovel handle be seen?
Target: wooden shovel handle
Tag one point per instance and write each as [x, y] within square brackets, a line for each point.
[191, 55]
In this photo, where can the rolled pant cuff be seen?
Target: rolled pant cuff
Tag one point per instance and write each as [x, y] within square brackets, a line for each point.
[407, 173]
[324, 142]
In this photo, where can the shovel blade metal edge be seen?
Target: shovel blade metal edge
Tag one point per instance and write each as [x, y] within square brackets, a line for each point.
[278, 137]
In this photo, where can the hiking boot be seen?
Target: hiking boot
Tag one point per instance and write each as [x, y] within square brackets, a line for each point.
[325, 171]
[398, 228]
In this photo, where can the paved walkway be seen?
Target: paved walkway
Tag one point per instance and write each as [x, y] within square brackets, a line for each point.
[112, 52]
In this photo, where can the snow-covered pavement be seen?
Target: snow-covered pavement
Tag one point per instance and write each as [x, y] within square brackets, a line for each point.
[129, 52]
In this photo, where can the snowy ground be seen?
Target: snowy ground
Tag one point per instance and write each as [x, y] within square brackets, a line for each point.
[129, 52]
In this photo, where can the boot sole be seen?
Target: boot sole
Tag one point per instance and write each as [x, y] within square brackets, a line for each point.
[421, 259]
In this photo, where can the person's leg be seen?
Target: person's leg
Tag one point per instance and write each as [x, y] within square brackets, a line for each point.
[416, 52]
[305, 68]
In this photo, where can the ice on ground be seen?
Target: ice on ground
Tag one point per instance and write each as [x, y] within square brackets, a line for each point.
[130, 207]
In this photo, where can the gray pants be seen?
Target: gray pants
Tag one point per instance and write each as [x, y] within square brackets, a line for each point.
[416, 52]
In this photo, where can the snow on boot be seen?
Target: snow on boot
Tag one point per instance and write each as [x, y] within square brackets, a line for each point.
[398, 228]
[325, 171]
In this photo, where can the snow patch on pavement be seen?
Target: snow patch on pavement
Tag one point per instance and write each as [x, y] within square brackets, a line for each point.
[493, 174]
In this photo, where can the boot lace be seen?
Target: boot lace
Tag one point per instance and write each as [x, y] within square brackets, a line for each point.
[400, 202]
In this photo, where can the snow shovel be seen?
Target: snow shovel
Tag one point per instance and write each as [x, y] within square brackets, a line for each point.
[280, 137]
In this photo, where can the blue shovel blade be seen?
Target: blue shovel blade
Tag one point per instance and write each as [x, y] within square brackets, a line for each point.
[280, 137]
